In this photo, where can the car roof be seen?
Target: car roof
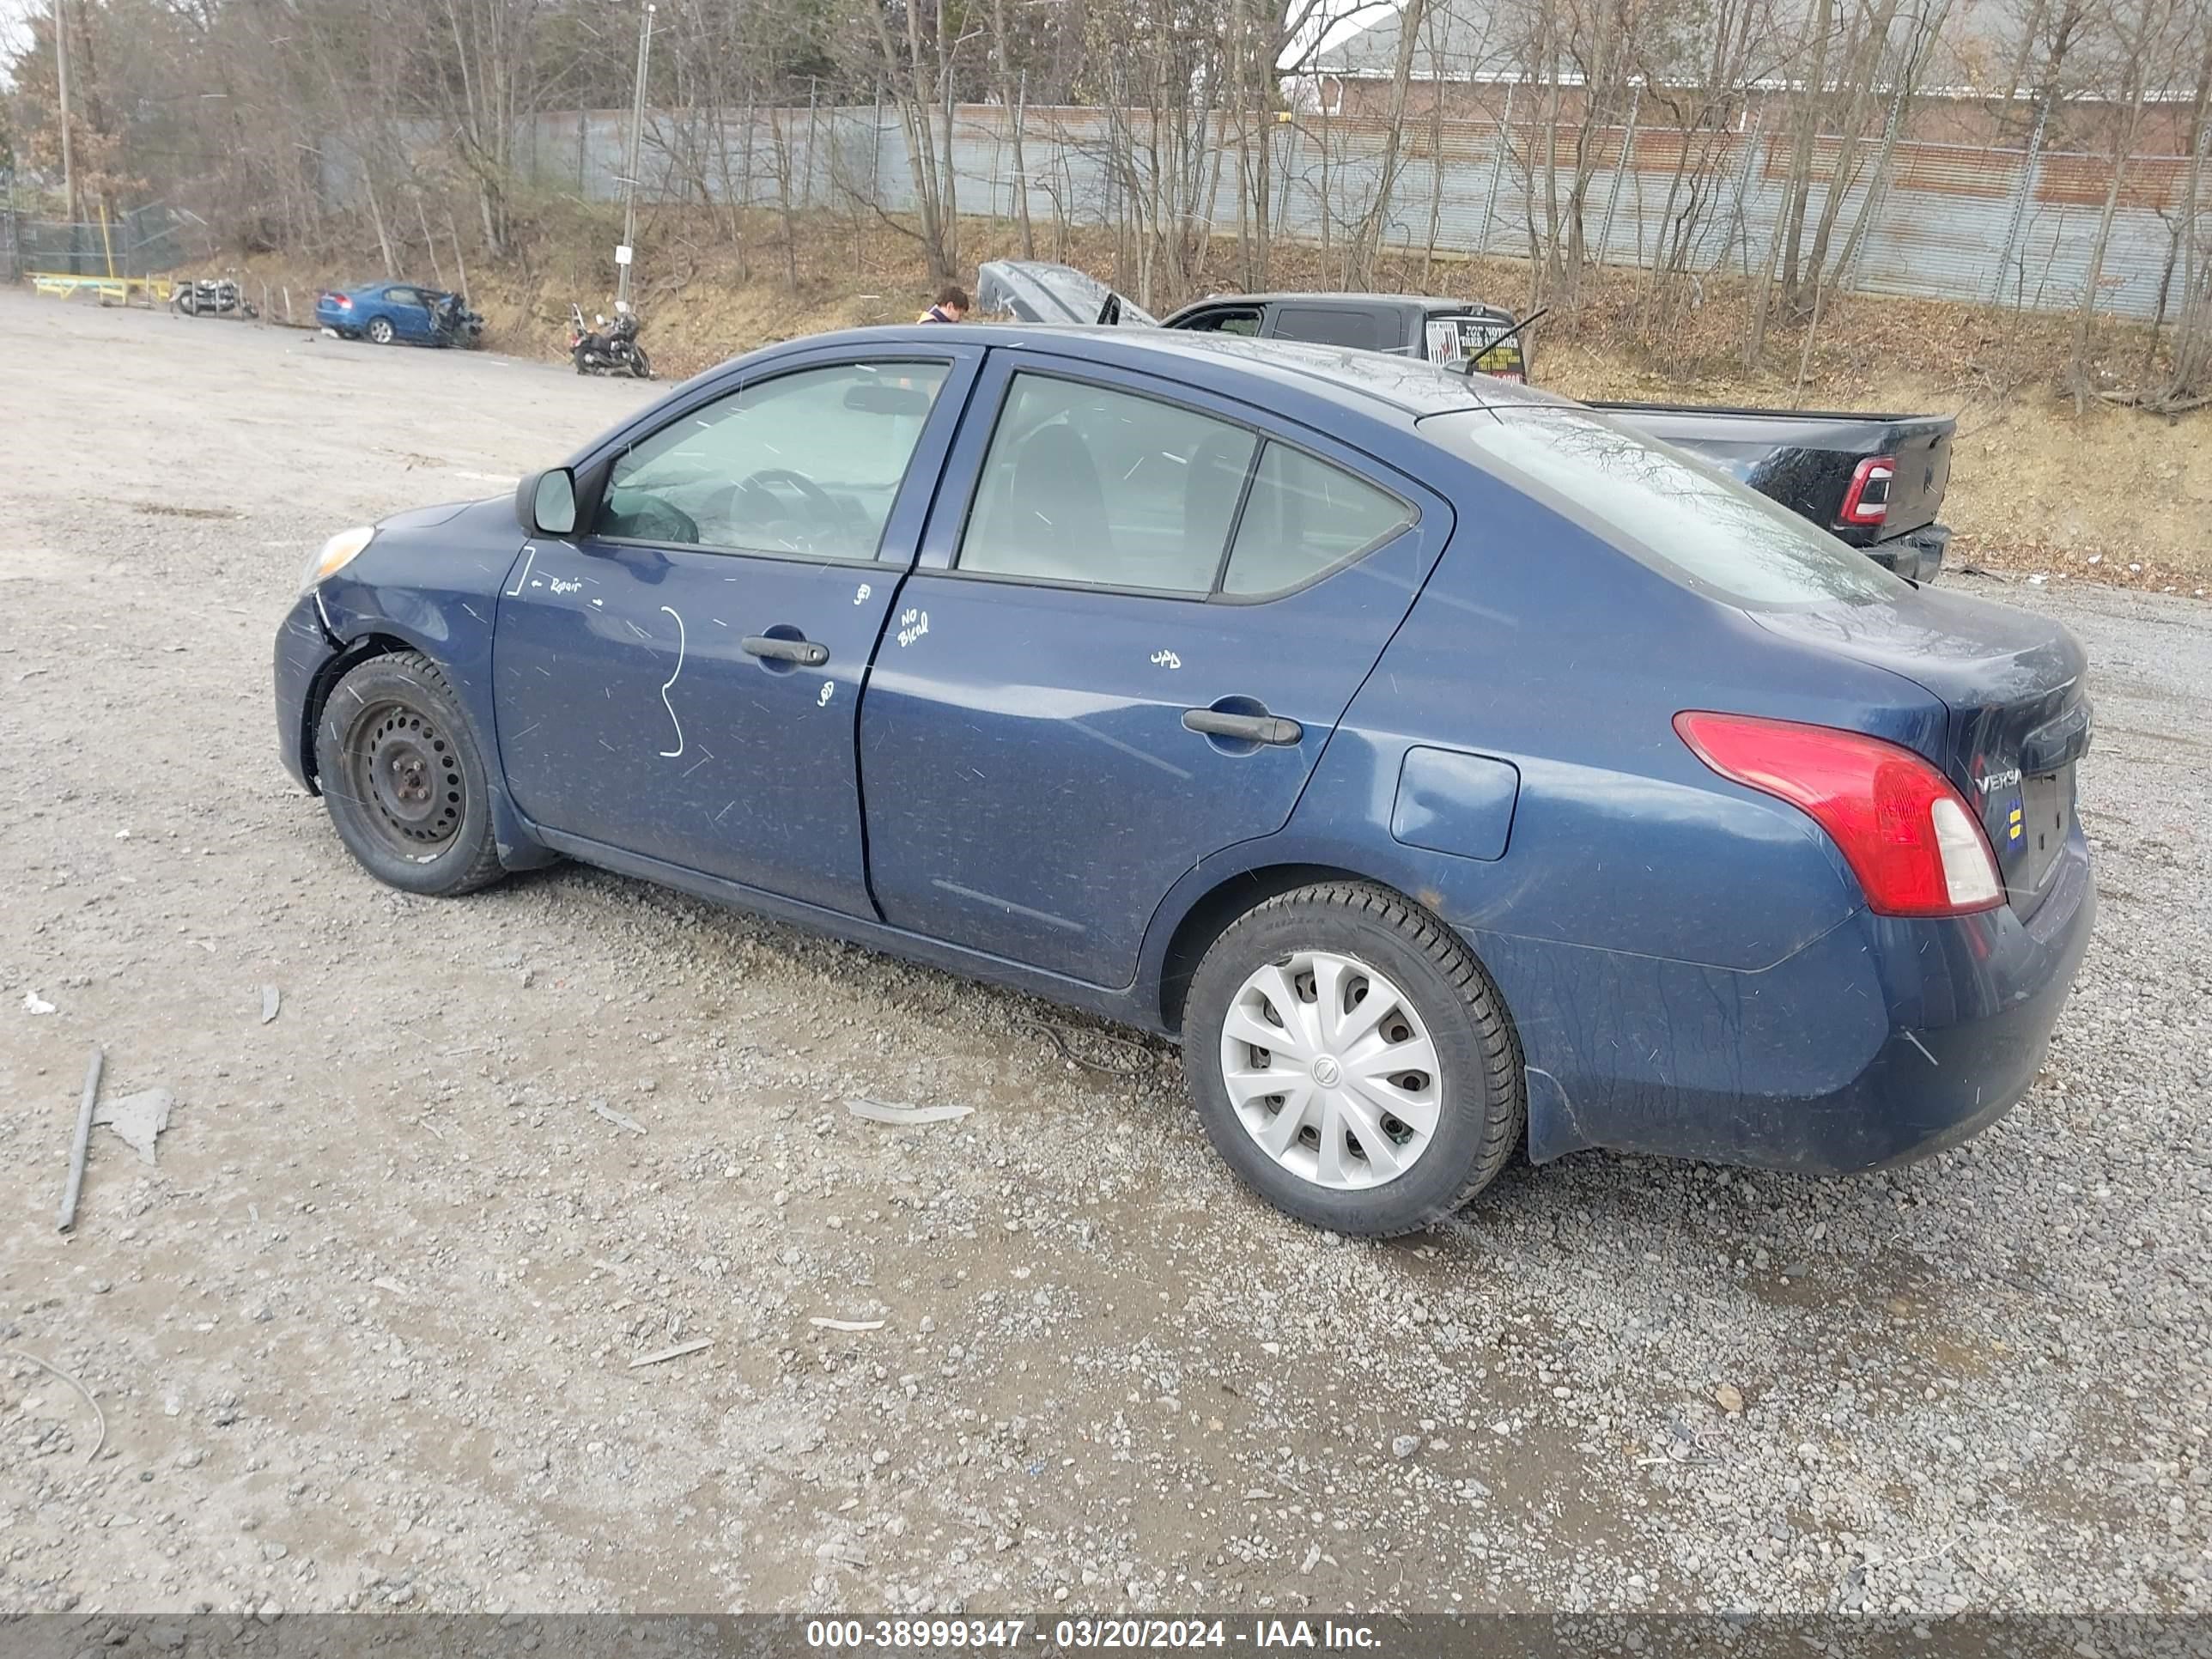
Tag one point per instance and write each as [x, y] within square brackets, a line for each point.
[1372, 383]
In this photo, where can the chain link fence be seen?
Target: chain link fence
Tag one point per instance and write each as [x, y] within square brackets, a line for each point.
[144, 241]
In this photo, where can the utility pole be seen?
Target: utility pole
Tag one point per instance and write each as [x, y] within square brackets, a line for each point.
[61, 72]
[627, 251]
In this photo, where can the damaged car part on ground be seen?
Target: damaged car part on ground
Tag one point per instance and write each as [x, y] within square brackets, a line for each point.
[1440, 762]
[1875, 482]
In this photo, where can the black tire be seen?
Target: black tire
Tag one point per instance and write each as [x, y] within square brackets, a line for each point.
[381, 330]
[1484, 1105]
[579, 356]
[640, 366]
[404, 778]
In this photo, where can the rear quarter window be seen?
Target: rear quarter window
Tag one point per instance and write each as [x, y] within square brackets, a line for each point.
[1656, 503]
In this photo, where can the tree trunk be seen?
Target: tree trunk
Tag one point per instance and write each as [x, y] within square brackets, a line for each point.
[2138, 83]
[1799, 189]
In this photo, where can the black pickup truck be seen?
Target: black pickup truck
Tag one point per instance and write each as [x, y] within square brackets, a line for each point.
[1873, 481]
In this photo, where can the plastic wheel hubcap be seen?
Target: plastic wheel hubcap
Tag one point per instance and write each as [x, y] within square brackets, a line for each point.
[1331, 1071]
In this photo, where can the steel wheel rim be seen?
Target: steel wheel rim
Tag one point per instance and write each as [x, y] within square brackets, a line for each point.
[1331, 1070]
[406, 772]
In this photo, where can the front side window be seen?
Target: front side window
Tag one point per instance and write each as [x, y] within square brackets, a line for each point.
[1244, 321]
[804, 465]
[1691, 522]
[1104, 488]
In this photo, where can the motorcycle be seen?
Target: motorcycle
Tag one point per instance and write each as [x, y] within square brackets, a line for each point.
[210, 296]
[608, 349]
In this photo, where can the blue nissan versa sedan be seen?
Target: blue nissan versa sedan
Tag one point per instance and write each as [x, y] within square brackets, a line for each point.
[1441, 762]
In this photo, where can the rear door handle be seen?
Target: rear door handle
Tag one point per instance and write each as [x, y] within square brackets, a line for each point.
[805, 652]
[1245, 728]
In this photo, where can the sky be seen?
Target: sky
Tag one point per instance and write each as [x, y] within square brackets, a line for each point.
[12, 33]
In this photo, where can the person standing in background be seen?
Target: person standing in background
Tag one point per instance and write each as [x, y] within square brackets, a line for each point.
[949, 306]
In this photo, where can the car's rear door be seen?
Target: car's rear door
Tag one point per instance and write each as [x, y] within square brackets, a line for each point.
[1139, 613]
[682, 681]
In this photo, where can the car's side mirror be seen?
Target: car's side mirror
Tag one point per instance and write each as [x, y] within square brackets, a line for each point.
[545, 502]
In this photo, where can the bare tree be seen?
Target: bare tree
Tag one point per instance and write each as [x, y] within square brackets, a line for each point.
[2142, 35]
[916, 50]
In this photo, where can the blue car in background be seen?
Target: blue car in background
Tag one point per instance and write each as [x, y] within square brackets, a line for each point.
[387, 313]
[1447, 767]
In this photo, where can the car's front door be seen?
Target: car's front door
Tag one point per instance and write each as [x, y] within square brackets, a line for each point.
[1221, 319]
[403, 308]
[1125, 644]
[682, 681]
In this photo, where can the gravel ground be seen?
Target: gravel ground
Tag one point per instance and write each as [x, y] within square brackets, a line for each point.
[364, 1336]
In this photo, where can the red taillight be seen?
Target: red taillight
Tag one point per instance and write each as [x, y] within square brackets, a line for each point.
[1909, 836]
[339, 301]
[1867, 501]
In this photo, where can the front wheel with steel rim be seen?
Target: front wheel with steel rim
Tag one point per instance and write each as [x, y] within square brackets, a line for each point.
[1351, 1060]
[404, 779]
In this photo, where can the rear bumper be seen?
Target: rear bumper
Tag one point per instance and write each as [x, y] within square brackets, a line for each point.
[1917, 555]
[1882, 1042]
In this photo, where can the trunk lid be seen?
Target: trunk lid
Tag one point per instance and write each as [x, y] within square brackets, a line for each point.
[2014, 688]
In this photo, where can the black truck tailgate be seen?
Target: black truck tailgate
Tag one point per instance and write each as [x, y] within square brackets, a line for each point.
[1808, 459]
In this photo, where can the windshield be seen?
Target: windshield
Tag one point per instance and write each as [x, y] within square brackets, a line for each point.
[1666, 509]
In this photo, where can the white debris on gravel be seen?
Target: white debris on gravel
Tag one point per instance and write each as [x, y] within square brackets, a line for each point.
[363, 1337]
[138, 1119]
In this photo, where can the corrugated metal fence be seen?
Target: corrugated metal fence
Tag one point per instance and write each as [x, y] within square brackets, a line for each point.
[1949, 221]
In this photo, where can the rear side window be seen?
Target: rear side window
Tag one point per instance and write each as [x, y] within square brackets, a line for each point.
[1656, 503]
[1104, 488]
[1303, 518]
[1331, 326]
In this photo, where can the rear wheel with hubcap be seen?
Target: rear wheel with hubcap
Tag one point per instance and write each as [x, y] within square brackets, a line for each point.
[1351, 1060]
[404, 779]
[380, 330]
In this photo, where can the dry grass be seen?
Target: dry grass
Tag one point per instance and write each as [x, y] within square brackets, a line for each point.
[2107, 493]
